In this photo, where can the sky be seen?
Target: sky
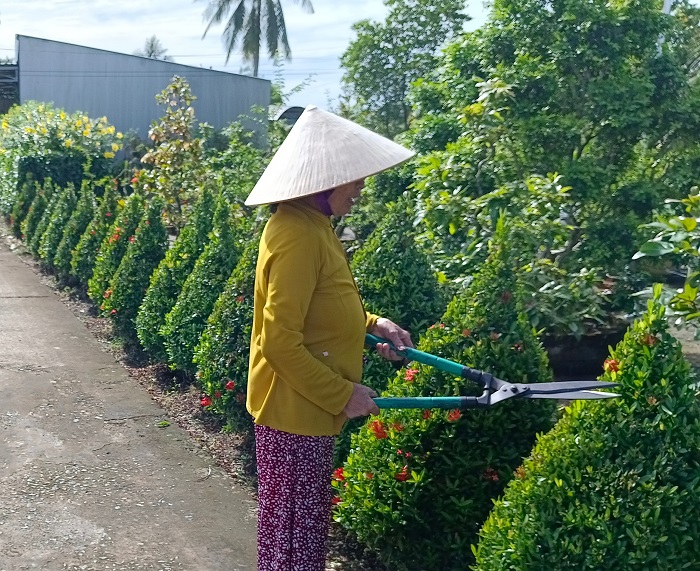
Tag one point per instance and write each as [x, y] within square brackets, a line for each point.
[317, 40]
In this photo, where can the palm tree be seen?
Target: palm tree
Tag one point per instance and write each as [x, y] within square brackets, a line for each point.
[249, 20]
[153, 49]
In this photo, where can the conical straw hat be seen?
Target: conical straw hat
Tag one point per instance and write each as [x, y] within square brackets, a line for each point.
[323, 151]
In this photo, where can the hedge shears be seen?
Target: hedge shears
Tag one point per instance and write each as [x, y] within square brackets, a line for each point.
[495, 390]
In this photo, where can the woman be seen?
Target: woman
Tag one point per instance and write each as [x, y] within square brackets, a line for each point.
[308, 331]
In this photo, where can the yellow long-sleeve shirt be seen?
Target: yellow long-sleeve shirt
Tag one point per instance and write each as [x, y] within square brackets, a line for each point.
[308, 327]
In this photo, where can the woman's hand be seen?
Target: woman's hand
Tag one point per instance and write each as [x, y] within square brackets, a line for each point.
[399, 337]
[361, 403]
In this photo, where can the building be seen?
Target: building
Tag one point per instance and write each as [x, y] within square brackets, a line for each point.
[123, 87]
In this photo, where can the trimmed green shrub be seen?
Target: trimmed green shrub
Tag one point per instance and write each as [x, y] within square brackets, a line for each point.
[22, 204]
[62, 211]
[616, 484]
[53, 195]
[82, 263]
[417, 485]
[396, 281]
[168, 279]
[113, 247]
[36, 211]
[127, 288]
[186, 321]
[74, 229]
[222, 353]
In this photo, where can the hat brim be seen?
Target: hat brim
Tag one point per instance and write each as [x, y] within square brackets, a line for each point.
[324, 151]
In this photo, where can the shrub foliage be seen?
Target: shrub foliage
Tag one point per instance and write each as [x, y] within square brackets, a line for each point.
[222, 353]
[418, 484]
[616, 484]
[144, 251]
[186, 321]
[73, 230]
[113, 247]
[85, 255]
[168, 279]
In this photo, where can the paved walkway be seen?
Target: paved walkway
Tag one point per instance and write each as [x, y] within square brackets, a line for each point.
[88, 481]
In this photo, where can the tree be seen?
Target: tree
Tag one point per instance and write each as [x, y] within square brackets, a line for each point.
[153, 49]
[386, 57]
[251, 22]
[582, 89]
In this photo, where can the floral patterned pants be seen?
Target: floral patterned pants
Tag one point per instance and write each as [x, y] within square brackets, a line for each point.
[294, 499]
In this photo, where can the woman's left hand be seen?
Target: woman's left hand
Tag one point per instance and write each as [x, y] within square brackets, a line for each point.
[399, 337]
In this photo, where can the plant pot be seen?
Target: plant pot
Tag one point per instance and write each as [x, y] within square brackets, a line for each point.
[583, 357]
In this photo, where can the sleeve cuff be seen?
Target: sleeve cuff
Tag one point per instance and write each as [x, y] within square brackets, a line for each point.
[371, 321]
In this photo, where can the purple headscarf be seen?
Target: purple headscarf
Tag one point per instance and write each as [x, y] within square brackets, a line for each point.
[321, 201]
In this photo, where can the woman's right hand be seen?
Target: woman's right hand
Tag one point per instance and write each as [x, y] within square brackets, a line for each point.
[361, 403]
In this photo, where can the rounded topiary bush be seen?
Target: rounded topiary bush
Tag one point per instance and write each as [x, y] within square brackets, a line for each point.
[168, 279]
[222, 354]
[144, 251]
[113, 247]
[63, 209]
[616, 484]
[396, 281]
[35, 212]
[74, 229]
[82, 264]
[52, 195]
[417, 485]
[20, 209]
[186, 321]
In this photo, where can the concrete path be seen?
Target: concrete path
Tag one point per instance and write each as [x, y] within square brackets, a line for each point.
[88, 481]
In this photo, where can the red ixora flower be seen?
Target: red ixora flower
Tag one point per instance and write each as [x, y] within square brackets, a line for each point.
[113, 312]
[369, 475]
[377, 426]
[240, 397]
[108, 214]
[398, 427]
[335, 500]
[506, 296]
[132, 239]
[454, 415]
[494, 336]
[339, 474]
[427, 413]
[411, 374]
[467, 332]
[240, 299]
[107, 293]
[230, 386]
[206, 401]
[518, 346]
[217, 394]
[402, 476]
[491, 474]
[611, 365]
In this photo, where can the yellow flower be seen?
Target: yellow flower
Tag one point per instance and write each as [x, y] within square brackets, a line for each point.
[78, 123]
[108, 155]
[119, 135]
[62, 115]
[68, 143]
[5, 125]
[115, 147]
[29, 129]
